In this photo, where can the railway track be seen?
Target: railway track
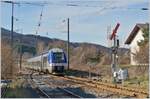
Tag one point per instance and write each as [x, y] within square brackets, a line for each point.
[118, 89]
[43, 93]
[58, 93]
[46, 92]
[71, 93]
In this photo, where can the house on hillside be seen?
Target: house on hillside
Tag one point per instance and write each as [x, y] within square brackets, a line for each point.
[135, 36]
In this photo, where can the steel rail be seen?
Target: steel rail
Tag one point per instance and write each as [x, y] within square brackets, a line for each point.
[110, 87]
[43, 92]
[69, 92]
[33, 84]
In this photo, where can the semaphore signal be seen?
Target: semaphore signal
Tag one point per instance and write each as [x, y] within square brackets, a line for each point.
[114, 31]
[114, 49]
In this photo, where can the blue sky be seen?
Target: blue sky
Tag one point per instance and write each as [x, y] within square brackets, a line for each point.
[88, 21]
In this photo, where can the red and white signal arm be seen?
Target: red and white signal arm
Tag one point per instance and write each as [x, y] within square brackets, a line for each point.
[114, 31]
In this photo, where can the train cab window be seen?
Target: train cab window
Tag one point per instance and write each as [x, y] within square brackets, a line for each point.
[58, 57]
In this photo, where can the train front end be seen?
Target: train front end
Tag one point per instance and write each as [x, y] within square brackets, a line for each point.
[57, 61]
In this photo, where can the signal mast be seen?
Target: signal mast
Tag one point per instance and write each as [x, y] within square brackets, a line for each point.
[114, 49]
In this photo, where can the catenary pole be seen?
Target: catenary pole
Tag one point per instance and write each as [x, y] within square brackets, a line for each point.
[68, 42]
[12, 30]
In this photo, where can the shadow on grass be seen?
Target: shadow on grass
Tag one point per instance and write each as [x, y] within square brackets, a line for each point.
[28, 92]
[79, 73]
[81, 92]
[21, 92]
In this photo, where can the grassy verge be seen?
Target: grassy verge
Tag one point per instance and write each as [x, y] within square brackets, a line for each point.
[140, 82]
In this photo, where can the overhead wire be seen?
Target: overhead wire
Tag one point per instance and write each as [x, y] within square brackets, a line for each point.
[99, 11]
[72, 4]
[69, 4]
[81, 14]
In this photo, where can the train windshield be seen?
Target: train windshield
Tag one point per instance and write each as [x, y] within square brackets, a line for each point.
[58, 57]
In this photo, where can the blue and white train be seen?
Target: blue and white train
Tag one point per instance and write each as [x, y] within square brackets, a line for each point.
[53, 61]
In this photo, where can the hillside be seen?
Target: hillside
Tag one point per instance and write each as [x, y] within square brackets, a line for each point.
[79, 52]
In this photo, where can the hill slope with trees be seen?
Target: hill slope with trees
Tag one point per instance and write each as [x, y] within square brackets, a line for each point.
[80, 53]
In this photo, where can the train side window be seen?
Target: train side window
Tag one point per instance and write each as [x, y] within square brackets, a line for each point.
[62, 57]
[45, 59]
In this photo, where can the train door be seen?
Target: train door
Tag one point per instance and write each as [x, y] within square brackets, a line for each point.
[45, 63]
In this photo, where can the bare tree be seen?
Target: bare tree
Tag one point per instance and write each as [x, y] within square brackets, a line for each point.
[40, 47]
[142, 56]
[7, 61]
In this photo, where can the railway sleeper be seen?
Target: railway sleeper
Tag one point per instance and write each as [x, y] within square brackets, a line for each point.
[113, 89]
